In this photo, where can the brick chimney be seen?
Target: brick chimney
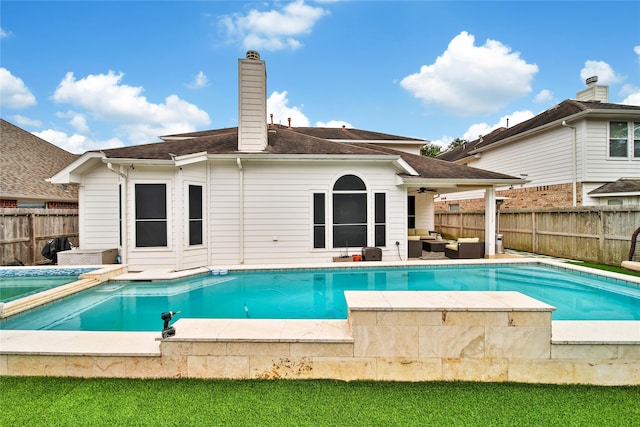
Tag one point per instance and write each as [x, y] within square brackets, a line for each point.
[593, 92]
[252, 103]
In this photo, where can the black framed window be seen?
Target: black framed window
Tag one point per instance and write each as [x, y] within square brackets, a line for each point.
[196, 220]
[319, 226]
[380, 219]
[349, 212]
[411, 211]
[151, 215]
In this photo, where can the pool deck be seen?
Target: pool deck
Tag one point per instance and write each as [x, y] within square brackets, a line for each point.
[477, 336]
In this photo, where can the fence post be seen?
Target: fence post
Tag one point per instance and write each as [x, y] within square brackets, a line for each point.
[601, 236]
[534, 235]
[32, 239]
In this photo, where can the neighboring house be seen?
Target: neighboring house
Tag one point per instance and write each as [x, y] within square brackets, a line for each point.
[26, 162]
[580, 152]
[262, 193]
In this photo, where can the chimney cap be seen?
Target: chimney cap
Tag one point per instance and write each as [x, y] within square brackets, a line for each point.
[253, 54]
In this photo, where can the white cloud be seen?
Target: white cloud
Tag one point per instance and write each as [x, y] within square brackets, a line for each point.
[13, 92]
[468, 79]
[631, 94]
[478, 129]
[605, 73]
[334, 124]
[4, 33]
[23, 121]
[273, 29]
[636, 49]
[105, 98]
[544, 96]
[76, 143]
[277, 105]
[199, 81]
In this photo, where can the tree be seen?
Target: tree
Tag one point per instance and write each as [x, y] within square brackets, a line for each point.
[430, 150]
[456, 143]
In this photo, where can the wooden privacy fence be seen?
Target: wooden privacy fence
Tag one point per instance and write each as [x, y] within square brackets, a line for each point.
[23, 233]
[599, 234]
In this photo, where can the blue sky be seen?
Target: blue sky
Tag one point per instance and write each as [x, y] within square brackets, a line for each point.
[88, 75]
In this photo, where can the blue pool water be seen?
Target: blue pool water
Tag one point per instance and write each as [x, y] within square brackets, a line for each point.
[319, 294]
[19, 282]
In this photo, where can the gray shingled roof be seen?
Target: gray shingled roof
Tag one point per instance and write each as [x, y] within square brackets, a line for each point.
[623, 185]
[26, 161]
[319, 132]
[301, 141]
[560, 111]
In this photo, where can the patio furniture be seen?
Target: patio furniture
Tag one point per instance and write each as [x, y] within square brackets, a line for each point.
[415, 246]
[434, 245]
[465, 248]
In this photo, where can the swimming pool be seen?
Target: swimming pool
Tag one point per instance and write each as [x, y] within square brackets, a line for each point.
[19, 282]
[319, 294]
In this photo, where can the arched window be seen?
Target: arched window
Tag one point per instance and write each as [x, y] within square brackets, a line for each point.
[349, 212]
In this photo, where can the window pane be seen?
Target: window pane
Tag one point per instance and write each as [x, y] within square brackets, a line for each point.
[318, 237]
[349, 182]
[151, 233]
[352, 236]
[381, 239]
[349, 208]
[318, 208]
[618, 148]
[151, 201]
[636, 140]
[195, 202]
[411, 207]
[195, 232]
[618, 130]
[380, 207]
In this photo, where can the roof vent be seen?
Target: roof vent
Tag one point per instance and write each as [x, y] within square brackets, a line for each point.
[254, 55]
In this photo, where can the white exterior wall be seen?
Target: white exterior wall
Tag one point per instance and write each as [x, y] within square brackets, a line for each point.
[278, 210]
[154, 258]
[274, 223]
[98, 210]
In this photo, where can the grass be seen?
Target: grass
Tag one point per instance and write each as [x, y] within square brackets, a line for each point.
[50, 401]
[605, 267]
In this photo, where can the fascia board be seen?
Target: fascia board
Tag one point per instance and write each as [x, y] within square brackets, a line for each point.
[72, 172]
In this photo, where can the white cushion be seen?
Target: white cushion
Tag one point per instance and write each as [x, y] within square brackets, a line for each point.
[468, 239]
[452, 246]
[413, 237]
[411, 232]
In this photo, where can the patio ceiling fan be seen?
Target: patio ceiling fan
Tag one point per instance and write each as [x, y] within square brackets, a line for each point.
[423, 190]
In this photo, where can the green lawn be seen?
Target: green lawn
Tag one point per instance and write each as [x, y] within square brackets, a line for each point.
[47, 401]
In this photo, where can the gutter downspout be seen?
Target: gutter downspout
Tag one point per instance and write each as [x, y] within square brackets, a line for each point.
[124, 226]
[241, 208]
[573, 165]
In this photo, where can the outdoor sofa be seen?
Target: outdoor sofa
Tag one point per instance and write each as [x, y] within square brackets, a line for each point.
[465, 248]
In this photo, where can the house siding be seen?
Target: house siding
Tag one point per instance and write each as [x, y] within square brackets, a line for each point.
[277, 224]
[98, 213]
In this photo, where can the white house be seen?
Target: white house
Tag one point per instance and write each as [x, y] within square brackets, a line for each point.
[262, 193]
[578, 153]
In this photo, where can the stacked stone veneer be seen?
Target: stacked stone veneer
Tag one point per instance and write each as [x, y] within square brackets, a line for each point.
[389, 335]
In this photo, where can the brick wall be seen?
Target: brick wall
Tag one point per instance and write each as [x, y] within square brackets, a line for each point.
[545, 196]
[6, 203]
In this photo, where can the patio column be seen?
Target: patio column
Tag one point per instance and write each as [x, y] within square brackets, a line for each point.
[425, 212]
[490, 222]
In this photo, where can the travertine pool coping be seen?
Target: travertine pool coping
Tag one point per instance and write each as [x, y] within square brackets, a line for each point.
[149, 344]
